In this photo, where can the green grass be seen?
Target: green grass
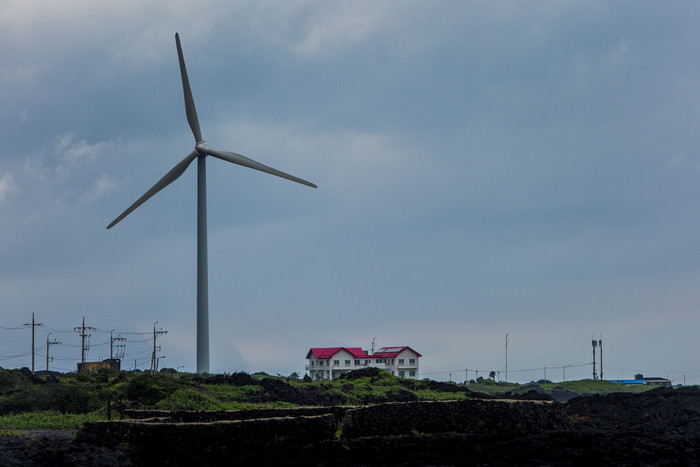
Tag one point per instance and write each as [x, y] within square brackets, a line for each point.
[29, 403]
[49, 420]
[590, 386]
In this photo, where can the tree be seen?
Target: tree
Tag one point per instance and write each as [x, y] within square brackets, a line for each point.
[492, 375]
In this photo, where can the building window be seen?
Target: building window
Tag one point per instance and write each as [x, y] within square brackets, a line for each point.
[336, 362]
[379, 360]
[367, 362]
[328, 363]
[411, 373]
[347, 362]
[400, 361]
[320, 362]
[312, 363]
[412, 361]
[402, 373]
[357, 363]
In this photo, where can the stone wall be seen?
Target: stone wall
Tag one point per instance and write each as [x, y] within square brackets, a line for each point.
[463, 416]
[157, 440]
[269, 435]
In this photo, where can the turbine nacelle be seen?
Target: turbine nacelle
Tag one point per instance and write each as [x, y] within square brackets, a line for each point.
[201, 148]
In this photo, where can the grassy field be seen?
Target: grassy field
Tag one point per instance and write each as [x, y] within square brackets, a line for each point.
[31, 402]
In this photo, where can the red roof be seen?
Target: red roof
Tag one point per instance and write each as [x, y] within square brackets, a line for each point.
[328, 352]
[391, 352]
[357, 352]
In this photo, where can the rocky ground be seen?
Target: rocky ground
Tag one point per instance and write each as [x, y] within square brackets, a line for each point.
[653, 428]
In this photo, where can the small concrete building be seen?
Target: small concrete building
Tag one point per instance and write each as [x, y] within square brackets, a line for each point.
[641, 380]
[331, 362]
[94, 367]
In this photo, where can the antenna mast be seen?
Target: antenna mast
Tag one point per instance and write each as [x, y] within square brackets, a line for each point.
[600, 344]
[595, 344]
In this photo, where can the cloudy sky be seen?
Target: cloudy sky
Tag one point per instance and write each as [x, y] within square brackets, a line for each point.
[528, 168]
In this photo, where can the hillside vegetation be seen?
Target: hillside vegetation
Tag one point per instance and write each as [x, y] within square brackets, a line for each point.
[28, 401]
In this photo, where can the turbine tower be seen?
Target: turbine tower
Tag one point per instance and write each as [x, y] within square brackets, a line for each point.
[201, 151]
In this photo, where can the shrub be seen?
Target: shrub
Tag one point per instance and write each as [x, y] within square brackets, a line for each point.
[189, 399]
[61, 398]
[149, 390]
[366, 372]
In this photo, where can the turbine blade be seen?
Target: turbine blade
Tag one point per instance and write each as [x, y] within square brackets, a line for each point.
[189, 100]
[167, 179]
[244, 161]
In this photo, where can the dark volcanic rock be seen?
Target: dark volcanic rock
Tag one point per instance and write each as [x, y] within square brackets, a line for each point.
[658, 427]
[560, 394]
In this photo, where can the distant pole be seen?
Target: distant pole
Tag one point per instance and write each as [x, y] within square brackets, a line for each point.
[48, 345]
[33, 324]
[545, 375]
[154, 358]
[112, 339]
[600, 344]
[506, 357]
[83, 334]
[466, 375]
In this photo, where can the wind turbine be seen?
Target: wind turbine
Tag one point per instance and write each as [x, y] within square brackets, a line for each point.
[201, 151]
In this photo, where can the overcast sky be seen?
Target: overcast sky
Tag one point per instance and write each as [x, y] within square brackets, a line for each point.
[485, 168]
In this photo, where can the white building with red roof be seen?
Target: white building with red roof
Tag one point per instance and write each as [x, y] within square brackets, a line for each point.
[331, 362]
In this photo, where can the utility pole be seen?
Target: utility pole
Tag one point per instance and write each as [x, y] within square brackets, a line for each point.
[373, 340]
[49, 343]
[82, 332]
[600, 344]
[112, 339]
[506, 357]
[595, 344]
[156, 348]
[33, 324]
